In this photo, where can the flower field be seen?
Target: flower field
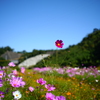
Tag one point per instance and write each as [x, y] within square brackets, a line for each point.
[49, 83]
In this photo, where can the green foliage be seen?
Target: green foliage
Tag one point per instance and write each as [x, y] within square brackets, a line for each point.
[4, 49]
[3, 62]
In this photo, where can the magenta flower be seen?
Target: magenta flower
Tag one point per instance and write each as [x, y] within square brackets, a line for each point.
[41, 81]
[1, 83]
[11, 64]
[15, 72]
[59, 43]
[1, 73]
[50, 96]
[42, 69]
[31, 89]
[1, 94]
[17, 82]
[22, 69]
[82, 64]
[60, 98]
[49, 87]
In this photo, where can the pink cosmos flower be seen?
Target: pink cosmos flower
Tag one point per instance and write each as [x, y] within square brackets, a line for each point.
[49, 87]
[60, 98]
[15, 72]
[22, 69]
[1, 83]
[93, 88]
[11, 64]
[1, 94]
[41, 81]
[31, 89]
[59, 43]
[1, 73]
[17, 82]
[50, 96]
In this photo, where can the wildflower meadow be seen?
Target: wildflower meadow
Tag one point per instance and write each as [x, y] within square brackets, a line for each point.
[49, 83]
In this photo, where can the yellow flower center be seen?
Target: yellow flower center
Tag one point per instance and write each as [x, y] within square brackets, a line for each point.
[48, 98]
[0, 74]
[58, 44]
[14, 84]
[16, 95]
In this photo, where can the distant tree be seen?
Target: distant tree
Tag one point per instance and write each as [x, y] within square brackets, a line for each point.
[4, 49]
[8, 48]
[24, 51]
[95, 29]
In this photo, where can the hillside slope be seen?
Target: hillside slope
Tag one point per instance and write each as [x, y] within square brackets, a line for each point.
[84, 53]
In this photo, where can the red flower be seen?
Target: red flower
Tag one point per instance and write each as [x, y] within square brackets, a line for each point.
[59, 43]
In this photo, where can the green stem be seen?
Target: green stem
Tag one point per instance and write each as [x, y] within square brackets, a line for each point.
[56, 56]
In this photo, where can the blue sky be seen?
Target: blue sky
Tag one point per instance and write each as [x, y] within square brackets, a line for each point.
[37, 24]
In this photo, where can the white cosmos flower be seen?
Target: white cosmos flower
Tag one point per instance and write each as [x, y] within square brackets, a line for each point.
[76, 68]
[98, 70]
[96, 80]
[17, 95]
